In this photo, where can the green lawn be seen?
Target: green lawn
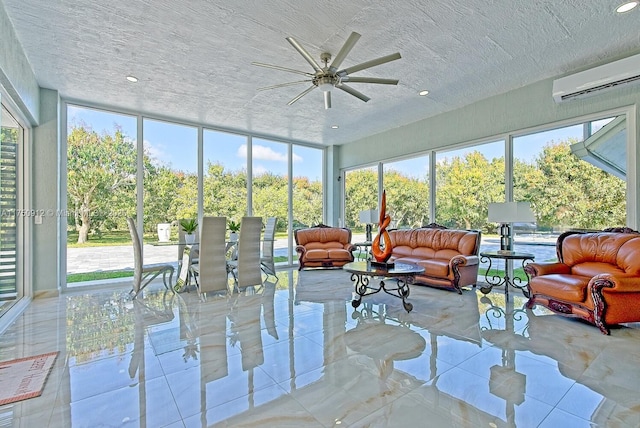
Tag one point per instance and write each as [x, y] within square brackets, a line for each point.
[95, 276]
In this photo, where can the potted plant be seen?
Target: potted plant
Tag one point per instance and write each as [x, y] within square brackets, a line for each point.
[234, 228]
[189, 226]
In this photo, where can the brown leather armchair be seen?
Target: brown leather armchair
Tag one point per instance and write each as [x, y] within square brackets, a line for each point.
[323, 246]
[596, 278]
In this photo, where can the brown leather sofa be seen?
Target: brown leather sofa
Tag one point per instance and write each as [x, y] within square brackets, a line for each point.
[323, 246]
[449, 257]
[596, 278]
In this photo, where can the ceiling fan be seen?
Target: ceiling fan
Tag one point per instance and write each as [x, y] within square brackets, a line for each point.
[330, 76]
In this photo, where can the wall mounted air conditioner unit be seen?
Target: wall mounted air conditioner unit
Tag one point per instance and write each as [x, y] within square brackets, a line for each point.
[596, 80]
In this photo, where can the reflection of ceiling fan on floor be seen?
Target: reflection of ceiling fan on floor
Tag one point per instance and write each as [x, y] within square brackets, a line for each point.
[329, 76]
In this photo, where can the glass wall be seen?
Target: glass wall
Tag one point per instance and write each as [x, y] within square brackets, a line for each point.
[101, 192]
[170, 159]
[568, 187]
[361, 193]
[467, 180]
[307, 189]
[406, 183]
[103, 171]
[225, 175]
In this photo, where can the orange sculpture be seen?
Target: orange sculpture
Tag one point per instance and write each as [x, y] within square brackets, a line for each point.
[382, 255]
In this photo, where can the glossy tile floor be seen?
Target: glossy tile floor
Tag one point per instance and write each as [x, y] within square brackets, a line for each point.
[297, 354]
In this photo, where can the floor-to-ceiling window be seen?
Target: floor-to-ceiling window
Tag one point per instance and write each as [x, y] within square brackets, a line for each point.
[170, 189]
[11, 217]
[101, 193]
[307, 188]
[467, 180]
[106, 164]
[225, 174]
[573, 176]
[361, 194]
[406, 183]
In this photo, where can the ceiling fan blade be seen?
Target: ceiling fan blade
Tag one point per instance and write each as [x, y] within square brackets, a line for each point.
[344, 51]
[353, 92]
[304, 53]
[369, 80]
[277, 67]
[282, 85]
[302, 94]
[369, 64]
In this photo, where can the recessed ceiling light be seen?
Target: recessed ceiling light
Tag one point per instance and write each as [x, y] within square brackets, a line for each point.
[132, 79]
[334, 127]
[423, 93]
[626, 7]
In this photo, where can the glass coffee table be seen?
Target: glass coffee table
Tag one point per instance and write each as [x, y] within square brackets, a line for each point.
[362, 273]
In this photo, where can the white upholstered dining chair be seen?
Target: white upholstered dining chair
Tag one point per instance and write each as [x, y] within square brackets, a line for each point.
[267, 263]
[143, 275]
[210, 273]
[246, 269]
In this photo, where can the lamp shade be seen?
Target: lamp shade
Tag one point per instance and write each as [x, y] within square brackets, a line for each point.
[369, 216]
[511, 212]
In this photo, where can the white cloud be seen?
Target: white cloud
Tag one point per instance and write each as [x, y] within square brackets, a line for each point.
[265, 153]
[157, 153]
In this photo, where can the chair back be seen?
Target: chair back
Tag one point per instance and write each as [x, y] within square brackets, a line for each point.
[137, 253]
[212, 262]
[268, 241]
[249, 272]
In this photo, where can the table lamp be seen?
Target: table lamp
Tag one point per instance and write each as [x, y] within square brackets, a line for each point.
[506, 213]
[369, 217]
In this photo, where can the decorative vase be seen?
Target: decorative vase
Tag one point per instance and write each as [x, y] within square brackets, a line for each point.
[190, 238]
[382, 255]
[233, 236]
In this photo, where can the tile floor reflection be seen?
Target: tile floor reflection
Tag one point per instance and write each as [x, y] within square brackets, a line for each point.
[296, 353]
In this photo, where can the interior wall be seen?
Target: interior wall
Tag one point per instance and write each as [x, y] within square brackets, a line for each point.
[16, 75]
[45, 196]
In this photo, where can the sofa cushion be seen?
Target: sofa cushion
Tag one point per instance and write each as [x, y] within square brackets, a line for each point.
[339, 254]
[591, 269]
[435, 267]
[323, 245]
[324, 254]
[562, 286]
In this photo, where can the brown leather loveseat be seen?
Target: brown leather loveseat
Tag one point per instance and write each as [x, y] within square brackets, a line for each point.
[323, 246]
[449, 257]
[596, 278]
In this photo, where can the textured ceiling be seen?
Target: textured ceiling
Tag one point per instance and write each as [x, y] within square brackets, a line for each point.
[193, 58]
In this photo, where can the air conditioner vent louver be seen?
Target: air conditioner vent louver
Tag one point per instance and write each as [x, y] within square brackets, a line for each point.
[596, 80]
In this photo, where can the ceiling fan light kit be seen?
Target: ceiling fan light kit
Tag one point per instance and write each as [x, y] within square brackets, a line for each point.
[330, 75]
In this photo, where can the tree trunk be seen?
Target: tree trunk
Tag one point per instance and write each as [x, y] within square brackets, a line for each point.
[83, 231]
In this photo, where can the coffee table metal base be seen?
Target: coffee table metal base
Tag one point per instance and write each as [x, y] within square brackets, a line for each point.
[363, 288]
[370, 279]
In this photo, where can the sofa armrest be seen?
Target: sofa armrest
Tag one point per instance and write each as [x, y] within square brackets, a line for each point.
[461, 260]
[618, 284]
[349, 247]
[301, 249]
[537, 269]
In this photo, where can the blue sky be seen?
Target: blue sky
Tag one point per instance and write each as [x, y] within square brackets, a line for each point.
[176, 145]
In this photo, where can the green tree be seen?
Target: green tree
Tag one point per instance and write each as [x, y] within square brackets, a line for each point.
[101, 176]
[307, 202]
[574, 193]
[466, 185]
[361, 189]
[407, 199]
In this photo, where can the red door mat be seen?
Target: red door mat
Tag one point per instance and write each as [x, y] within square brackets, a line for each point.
[24, 377]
